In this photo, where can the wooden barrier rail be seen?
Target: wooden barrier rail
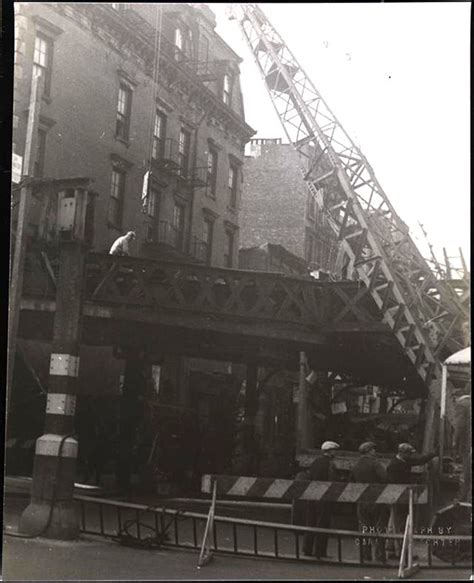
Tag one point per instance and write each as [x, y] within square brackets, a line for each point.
[271, 488]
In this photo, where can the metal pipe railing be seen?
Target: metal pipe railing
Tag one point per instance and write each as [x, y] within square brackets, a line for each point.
[232, 530]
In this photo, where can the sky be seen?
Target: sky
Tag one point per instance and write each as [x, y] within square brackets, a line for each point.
[397, 78]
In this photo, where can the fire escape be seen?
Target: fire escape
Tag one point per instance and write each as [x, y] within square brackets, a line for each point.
[180, 59]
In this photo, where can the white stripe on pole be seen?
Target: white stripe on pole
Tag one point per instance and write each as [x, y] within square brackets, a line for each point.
[60, 404]
[49, 443]
[64, 365]
[442, 414]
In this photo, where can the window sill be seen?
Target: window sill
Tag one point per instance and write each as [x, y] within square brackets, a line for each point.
[123, 141]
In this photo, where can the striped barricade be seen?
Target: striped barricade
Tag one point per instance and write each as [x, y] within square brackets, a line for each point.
[252, 487]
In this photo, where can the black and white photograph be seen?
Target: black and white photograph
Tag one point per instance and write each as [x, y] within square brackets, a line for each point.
[239, 292]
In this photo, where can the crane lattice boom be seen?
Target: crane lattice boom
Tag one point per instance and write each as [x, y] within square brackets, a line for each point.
[425, 315]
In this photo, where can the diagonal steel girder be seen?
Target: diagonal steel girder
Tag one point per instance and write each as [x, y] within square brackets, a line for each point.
[352, 197]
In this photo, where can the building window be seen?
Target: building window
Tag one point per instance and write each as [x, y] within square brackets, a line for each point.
[152, 201]
[183, 151]
[124, 111]
[159, 134]
[208, 233]
[178, 44]
[232, 186]
[117, 195]
[152, 209]
[212, 171]
[178, 224]
[40, 154]
[229, 249]
[42, 61]
[226, 91]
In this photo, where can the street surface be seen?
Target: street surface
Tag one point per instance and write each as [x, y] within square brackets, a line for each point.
[96, 558]
[89, 558]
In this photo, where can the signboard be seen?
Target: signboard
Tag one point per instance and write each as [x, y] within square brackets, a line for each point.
[17, 167]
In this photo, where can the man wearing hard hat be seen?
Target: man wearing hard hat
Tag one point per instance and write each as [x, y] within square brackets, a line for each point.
[368, 470]
[121, 245]
[319, 513]
[399, 472]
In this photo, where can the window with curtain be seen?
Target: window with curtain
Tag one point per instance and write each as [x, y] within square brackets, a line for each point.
[117, 194]
[42, 60]
[124, 111]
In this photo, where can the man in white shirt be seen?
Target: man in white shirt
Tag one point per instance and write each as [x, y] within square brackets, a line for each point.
[121, 245]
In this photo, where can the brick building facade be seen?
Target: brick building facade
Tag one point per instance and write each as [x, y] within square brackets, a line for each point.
[131, 89]
[277, 207]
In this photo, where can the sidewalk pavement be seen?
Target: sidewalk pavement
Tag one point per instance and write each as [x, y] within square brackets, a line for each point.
[94, 558]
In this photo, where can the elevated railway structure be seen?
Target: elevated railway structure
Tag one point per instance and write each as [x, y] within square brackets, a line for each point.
[220, 313]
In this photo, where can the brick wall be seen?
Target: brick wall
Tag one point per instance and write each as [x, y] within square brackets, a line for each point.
[273, 200]
[276, 206]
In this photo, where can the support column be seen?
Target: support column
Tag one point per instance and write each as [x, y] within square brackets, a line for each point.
[303, 437]
[251, 406]
[18, 243]
[131, 412]
[429, 436]
[51, 511]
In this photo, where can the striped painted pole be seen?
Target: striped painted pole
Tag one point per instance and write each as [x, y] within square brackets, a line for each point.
[56, 451]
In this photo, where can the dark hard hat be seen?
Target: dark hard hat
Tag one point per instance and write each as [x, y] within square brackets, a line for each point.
[366, 447]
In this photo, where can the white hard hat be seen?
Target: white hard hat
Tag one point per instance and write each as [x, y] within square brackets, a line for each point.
[327, 445]
[406, 448]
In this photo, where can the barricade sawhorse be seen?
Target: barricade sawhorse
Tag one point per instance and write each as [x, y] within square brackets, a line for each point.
[407, 548]
[271, 488]
[206, 553]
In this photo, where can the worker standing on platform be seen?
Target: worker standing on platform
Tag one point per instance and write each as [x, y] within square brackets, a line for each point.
[121, 245]
[319, 513]
[368, 470]
[399, 472]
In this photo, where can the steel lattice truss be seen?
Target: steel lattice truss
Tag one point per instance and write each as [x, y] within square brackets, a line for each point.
[425, 315]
